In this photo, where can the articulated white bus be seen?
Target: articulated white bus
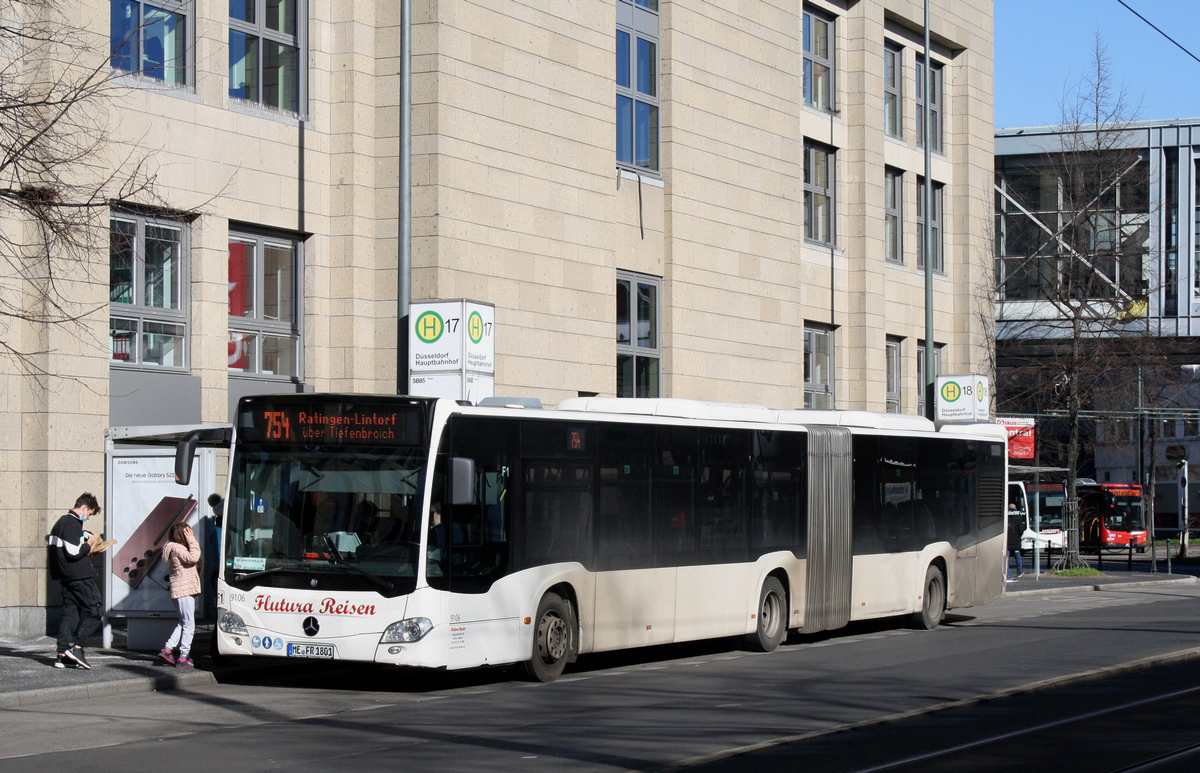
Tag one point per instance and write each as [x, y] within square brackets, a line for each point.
[422, 532]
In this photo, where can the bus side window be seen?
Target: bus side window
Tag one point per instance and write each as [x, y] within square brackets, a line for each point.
[622, 535]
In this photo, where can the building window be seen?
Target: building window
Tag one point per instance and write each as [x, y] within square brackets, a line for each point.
[891, 353]
[818, 193]
[147, 291]
[638, 347]
[935, 105]
[937, 369]
[151, 40]
[935, 226]
[1062, 233]
[893, 214]
[264, 331]
[637, 84]
[818, 60]
[893, 95]
[1196, 241]
[264, 52]
[818, 367]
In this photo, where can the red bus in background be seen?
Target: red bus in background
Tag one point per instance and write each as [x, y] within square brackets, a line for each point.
[1111, 515]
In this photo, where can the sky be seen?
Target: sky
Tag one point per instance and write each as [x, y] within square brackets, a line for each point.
[1043, 46]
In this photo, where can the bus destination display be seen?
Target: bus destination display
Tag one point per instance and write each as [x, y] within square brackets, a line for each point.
[331, 425]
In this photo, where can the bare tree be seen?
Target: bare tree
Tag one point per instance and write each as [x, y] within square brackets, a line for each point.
[1073, 270]
[57, 171]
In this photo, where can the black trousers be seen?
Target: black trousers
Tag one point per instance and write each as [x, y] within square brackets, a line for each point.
[81, 612]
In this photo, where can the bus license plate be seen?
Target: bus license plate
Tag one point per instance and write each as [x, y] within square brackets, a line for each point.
[310, 651]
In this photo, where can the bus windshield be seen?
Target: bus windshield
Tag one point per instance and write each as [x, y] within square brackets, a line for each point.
[1126, 514]
[1051, 509]
[351, 516]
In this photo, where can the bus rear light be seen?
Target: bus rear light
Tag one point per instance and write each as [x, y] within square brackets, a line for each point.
[409, 630]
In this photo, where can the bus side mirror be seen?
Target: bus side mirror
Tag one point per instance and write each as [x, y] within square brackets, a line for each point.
[462, 481]
[185, 451]
[217, 503]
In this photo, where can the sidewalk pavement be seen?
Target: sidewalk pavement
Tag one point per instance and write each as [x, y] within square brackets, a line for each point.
[28, 676]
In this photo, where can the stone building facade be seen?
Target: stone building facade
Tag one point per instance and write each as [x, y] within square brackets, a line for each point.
[744, 176]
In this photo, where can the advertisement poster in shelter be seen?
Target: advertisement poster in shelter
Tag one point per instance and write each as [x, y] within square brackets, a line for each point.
[144, 502]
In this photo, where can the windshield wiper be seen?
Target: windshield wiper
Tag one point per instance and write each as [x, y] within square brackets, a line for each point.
[263, 572]
[341, 560]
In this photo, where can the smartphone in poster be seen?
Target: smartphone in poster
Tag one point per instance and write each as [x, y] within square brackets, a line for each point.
[145, 502]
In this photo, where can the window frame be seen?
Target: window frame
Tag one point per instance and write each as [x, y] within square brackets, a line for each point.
[258, 29]
[259, 326]
[1195, 232]
[137, 311]
[937, 195]
[186, 10]
[892, 373]
[818, 392]
[813, 191]
[936, 116]
[812, 60]
[893, 90]
[633, 348]
[640, 22]
[893, 215]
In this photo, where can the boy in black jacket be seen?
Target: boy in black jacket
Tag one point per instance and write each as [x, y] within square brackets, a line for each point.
[82, 605]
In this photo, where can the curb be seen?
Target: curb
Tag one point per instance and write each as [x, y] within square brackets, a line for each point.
[1102, 586]
[22, 698]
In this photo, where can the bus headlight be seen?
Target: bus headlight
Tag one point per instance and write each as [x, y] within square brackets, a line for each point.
[409, 630]
[232, 622]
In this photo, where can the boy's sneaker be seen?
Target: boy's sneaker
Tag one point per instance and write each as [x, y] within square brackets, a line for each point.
[62, 661]
[77, 656]
[185, 663]
[167, 656]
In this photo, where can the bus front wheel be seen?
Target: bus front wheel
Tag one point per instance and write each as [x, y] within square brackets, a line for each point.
[933, 600]
[551, 639]
[772, 617]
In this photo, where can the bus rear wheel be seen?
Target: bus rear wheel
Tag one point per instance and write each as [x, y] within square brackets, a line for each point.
[933, 600]
[551, 639]
[772, 617]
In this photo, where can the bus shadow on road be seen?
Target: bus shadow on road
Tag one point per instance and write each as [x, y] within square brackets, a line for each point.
[370, 677]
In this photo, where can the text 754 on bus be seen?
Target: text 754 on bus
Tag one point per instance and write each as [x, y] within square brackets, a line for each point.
[421, 532]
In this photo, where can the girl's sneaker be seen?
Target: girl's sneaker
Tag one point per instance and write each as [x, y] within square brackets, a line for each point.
[185, 663]
[167, 656]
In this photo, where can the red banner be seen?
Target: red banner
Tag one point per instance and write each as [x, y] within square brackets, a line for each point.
[1020, 437]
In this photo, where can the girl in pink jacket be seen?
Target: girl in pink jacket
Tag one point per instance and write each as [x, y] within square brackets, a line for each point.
[182, 556]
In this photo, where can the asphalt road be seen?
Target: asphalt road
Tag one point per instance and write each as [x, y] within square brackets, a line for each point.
[709, 706]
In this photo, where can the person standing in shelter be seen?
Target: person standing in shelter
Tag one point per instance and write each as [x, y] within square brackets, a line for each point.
[1015, 529]
[181, 554]
[83, 606]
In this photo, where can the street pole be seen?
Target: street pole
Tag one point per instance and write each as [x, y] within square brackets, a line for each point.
[927, 233]
[1037, 506]
[404, 245]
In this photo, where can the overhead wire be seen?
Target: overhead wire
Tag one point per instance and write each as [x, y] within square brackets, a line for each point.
[1160, 32]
